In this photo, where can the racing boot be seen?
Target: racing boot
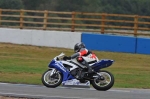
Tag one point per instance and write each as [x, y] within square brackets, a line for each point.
[90, 70]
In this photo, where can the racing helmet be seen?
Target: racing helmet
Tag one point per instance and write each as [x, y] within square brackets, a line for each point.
[78, 46]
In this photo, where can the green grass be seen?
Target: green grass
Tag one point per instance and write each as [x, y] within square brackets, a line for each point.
[25, 64]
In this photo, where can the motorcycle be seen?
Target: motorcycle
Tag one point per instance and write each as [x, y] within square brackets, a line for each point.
[71, 72]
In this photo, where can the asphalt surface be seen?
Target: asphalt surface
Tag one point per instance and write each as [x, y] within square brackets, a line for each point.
[41, 92]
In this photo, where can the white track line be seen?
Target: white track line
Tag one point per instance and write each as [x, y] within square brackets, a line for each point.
[45, 96]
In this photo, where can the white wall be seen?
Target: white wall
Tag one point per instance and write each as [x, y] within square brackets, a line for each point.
[40, 37]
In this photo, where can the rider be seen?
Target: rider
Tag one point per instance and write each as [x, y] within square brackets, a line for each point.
[83, 56]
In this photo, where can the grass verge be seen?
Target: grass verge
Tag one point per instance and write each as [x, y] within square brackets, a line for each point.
[25, 64]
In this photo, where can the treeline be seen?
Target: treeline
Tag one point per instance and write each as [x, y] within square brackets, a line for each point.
[139, 7]
[132, 7]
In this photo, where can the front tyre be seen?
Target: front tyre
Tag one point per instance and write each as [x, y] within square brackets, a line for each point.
[105, 82]
[51, 81]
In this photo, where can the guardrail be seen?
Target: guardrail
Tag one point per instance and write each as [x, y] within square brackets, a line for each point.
[76, 21]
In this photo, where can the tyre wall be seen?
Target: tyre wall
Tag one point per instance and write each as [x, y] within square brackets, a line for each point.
[113, 43]
[143, 46]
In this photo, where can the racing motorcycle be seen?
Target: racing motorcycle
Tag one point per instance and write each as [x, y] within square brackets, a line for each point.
[71, 72]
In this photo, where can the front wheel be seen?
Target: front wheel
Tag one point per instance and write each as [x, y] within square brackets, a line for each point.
[105, 82]
[51, 80]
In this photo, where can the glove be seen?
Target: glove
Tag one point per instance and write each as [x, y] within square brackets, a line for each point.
[66, 58]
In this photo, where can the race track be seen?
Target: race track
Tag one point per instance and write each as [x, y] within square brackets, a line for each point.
[37, 91]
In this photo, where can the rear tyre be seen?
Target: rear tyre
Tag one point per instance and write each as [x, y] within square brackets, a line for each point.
[105, 83]
[51, 81]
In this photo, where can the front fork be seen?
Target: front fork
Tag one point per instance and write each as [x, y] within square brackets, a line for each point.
[53, 71]
[65, 75]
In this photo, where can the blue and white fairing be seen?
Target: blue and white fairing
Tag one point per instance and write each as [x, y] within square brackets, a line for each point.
[102, 64]
[59, 66]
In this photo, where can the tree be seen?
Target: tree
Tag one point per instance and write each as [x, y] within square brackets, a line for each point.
[11, 4]
[33, 4]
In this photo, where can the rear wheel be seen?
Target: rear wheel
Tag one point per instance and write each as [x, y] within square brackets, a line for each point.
[105, 82]
[51, 81]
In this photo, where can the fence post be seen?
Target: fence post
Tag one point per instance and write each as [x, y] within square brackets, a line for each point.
[73, 22]
[45, 19]
[0, 16]
[103, 23]
[135, 25]
[21, 18]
